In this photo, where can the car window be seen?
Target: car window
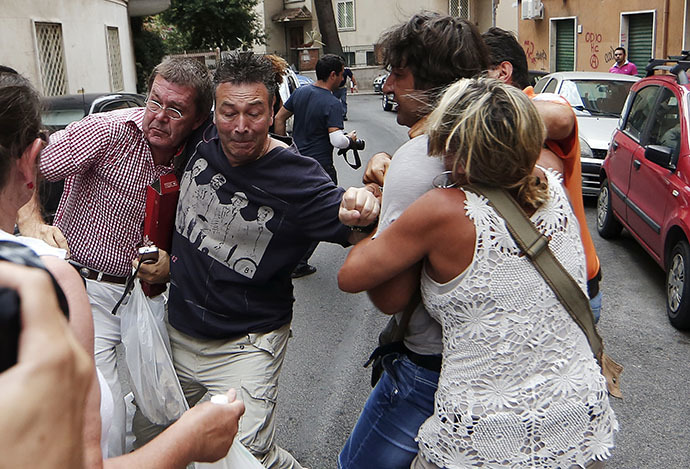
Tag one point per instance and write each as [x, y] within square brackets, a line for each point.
[56, 119]
[541, 83]
[640, 110]
[550, 86]
[666, 123]
[112, 105]
[600, 96]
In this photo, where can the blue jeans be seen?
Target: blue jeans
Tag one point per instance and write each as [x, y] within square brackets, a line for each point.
[383, 437]
[595, 304]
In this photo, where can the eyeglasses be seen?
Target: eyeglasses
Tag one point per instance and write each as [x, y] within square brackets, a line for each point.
[170, 112]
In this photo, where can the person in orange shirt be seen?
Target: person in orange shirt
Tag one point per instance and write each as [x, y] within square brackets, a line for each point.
[562, 146]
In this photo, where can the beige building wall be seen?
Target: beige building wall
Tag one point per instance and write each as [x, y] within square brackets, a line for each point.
[600, 28]
[507, 14]
[372, 18]
[84, 24]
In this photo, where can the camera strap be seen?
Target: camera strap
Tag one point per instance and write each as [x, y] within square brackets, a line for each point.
[358, 161]
[128, 288]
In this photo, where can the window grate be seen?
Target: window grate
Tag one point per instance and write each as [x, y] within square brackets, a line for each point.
[345, 16]
[117, 82]
[51, 58]
[459, 8]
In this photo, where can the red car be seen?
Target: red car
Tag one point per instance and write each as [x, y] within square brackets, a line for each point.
[645, 178]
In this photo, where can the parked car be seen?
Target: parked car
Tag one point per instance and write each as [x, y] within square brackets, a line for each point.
[60, 111]
[290, 83]
[304, 80]
[378, 83]
[388, 102]
[645, 180]
[597, 99]
[535, 76]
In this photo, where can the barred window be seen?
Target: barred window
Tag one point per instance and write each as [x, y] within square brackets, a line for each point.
[51, 57]
[115, 60]
[459, 8]
[345, 14]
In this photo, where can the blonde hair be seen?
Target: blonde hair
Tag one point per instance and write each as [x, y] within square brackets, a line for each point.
[280, 65]
[494, 132]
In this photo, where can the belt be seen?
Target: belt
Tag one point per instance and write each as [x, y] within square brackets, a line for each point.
[92, 274]
[429, 362]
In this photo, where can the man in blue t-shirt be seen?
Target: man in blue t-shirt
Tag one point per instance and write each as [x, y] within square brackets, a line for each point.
[318, 125]
[251, 207]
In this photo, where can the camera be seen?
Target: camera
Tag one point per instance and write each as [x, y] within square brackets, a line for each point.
[355, 146]
[148, 254]
[10, 321]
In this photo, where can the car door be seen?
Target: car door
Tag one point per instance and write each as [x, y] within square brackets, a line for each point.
[649, 183]
[627, 145]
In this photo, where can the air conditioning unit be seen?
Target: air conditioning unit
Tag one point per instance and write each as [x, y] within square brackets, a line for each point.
[532, 10]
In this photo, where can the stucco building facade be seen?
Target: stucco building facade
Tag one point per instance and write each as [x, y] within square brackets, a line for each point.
[293, 31]
[64, 46]
[582, 34]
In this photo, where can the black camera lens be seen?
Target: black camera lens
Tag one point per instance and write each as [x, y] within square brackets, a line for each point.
[359, 144]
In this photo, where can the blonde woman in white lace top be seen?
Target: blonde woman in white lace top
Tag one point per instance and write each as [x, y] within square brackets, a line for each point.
[519, 387]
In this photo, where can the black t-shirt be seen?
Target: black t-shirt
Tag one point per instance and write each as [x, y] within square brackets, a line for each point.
[240, 232]
[346, 73]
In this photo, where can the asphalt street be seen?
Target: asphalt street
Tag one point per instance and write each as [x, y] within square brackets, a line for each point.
[323, 385]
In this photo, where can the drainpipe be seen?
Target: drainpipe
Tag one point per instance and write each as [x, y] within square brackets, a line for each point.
[664, 43]
[494, 5]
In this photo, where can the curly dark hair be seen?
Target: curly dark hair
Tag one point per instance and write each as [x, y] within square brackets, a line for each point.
[20, 118]
[247, 67]
[438, 50]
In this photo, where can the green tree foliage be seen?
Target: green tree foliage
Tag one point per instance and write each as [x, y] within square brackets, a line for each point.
[148, 50]
[203, 24]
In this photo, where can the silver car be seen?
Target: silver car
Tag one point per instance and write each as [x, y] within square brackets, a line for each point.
[597, 99]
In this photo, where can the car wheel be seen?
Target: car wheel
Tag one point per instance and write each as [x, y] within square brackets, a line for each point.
[678, 286]
[607, 225]
[386, 103]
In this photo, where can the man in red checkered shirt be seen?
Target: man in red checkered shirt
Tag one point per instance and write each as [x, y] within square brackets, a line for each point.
[107, 161]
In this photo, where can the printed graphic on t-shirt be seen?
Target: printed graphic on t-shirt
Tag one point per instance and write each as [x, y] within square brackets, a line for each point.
[220, 230]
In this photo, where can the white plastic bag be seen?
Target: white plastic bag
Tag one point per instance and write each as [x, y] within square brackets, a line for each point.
[154, 383]
[238, 456]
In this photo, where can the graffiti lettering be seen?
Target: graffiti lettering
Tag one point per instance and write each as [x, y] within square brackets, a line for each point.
[533, 56]
[608, 57]
[529, 51]
[594, 61]
[592, 37]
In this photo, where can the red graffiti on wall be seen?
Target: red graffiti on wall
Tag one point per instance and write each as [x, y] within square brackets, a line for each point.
[593, 39]
[532, 56]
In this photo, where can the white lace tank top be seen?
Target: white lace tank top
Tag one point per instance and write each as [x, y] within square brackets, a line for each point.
[519, 385]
